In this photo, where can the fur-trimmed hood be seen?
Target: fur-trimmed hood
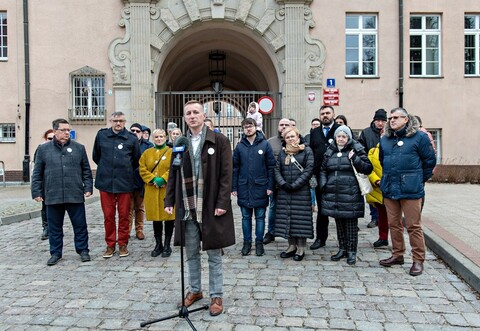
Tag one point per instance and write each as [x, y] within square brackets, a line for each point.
[410, 129]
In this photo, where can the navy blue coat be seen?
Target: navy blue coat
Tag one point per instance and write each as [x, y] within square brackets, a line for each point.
[117, 157]
[253, 172]
[139, 184]
[62, 173]
[408, 159]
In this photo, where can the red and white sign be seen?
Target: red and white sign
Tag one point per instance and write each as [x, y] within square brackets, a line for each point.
[331, 97]
[265, 105]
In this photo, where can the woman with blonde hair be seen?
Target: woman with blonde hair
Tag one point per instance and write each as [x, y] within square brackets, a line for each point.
[294, 211]
[154, 170]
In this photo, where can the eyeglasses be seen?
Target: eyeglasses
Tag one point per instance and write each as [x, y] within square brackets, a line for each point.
[118, 121]
[64, 130]
[246, 127]
[396, 117]
[135, 131]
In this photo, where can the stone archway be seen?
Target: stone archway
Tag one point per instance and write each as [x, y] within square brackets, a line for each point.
[155, 28]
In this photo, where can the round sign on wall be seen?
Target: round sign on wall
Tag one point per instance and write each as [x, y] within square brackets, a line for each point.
[265, 105]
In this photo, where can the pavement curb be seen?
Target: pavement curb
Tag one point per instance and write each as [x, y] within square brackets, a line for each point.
[465, 268]
[33, 214]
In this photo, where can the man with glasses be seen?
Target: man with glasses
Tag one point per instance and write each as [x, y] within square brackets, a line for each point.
[276, 144]
[116, 152]
[62, 179]
[407, 159]
[320, 138]
[137, 207]
[253, 182]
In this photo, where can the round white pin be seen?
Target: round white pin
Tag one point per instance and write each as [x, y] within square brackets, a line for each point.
[120, 146]
[164, 157]
[400, 143]
[330, 140]
[339, 154]
[211, 151]
[260, 152]
[69, 150]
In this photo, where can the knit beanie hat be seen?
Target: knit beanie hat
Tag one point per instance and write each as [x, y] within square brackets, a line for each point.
[343, 129]
[136, 125]
[381, 115]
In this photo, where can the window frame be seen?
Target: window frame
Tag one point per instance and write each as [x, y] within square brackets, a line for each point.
[360, 32]
[424, 33]
[8, 133]
[87, 95]
[475, 32]
[3, 36]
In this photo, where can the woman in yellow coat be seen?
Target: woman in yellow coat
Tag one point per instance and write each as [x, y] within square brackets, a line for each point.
[154, 169]
[375, 198]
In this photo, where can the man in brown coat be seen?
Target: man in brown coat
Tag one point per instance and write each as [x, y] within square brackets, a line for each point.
[200, 191]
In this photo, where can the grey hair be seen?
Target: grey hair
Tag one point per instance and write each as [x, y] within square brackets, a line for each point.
[117, 113]
[400, 110]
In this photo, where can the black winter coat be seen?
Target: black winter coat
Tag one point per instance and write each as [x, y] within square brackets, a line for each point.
[319, 144]
[117, 157]
[369, 137]
[341, 196]
[294, 206]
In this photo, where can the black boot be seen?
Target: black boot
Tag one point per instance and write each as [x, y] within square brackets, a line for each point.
[340, 255]
[259, 250]
[351, 258]
[167, 250]
[247, 247]
[44, 234]
[158, 247]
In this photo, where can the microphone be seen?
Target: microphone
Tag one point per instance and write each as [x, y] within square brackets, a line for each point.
[180, 146]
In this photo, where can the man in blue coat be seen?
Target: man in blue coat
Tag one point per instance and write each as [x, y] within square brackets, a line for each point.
[62, 179]
[116, 152]
[253, 181]
[408, 159]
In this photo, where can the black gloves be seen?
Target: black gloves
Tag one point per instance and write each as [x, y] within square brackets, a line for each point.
[287, 187]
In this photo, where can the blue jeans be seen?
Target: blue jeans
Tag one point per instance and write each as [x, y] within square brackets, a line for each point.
[272, 211]
[247, 223]
[192, 249]
[373, 212]
[55, 217]
[312, 193]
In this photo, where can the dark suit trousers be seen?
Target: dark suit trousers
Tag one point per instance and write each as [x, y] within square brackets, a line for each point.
[56, 215]
[322, 220]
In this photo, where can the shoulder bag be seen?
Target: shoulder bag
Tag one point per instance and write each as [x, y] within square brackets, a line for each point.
[363, 181]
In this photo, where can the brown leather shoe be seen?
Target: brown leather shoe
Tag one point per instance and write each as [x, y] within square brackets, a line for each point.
[216, 306]
[140, 235]
[190, 298]
[416, 269]
[392, 260]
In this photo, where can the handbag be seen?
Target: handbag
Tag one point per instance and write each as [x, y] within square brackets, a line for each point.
[312, 181]
[363, 181]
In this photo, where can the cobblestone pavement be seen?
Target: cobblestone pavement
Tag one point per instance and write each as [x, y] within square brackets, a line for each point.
[260, 293]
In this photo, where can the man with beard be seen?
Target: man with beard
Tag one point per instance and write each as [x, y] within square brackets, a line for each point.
[276, 144]
[369, 138]
[320, 138]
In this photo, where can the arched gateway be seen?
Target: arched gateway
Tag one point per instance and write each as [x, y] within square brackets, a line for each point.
[166, 47]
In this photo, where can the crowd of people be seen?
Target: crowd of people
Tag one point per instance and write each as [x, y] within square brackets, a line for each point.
[183, 183]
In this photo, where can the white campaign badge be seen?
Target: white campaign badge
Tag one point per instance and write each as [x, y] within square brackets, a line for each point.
[211, 151]
[339, 154]
[260, 152]
[164, 157]
[400, 143]
[330, 140]
[120, 146]
[69, 150]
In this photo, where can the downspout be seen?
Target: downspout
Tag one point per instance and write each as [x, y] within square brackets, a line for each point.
[26, 159]
[400, 51]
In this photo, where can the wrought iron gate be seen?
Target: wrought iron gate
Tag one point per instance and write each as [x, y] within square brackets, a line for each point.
[226, 110]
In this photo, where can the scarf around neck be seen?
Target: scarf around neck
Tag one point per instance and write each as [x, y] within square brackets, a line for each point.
[291, 150]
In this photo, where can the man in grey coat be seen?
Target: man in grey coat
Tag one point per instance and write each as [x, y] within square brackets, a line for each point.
[62, 178]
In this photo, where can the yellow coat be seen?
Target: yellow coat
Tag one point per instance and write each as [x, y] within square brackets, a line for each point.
[376, 195]
[155, 196]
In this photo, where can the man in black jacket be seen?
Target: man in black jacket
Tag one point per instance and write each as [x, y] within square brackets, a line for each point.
[369, 138]
[116, 152]
[62, 179]
[320, 138]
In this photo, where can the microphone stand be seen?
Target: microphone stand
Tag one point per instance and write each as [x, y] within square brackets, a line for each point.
[183, 311]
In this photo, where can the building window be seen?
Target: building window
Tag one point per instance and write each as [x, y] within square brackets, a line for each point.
[472, 45]
[230, 134]
[88, 94]
[425, 57]
[437, 139]
[361, 41]
[7, 131]
[229, 110]
[3, 36]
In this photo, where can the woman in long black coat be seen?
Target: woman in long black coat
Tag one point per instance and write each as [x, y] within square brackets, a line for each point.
[341, 197]
[294, 211]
